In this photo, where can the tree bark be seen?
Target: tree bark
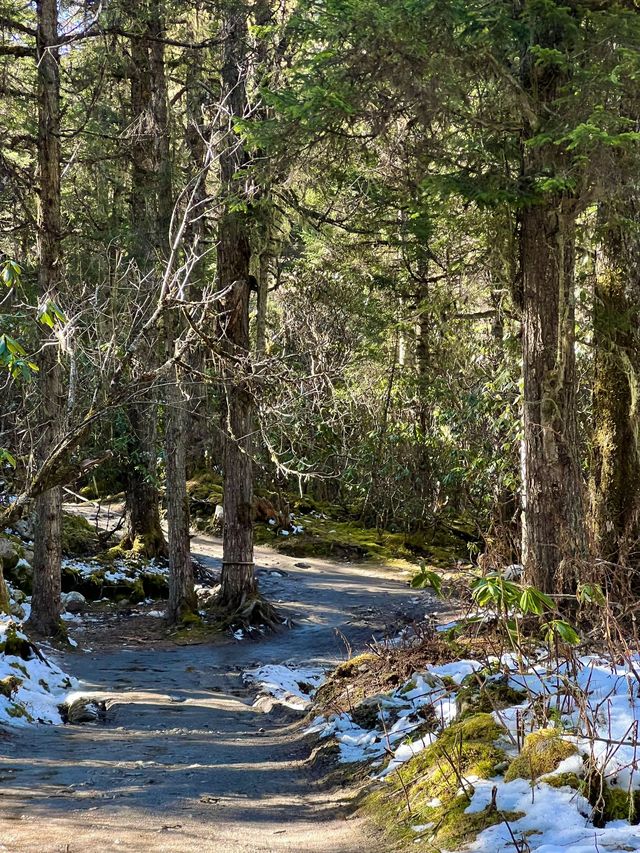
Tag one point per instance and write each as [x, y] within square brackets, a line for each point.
[182, 597]
[553, 529]
[144, 531]
[45, 605]
[615, 464]
[201, 443]
[554, 538]
[149, 174]
[238, 582]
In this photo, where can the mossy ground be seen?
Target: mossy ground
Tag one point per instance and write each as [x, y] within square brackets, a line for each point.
[432, 788]
[332, 530]
[328, 538]
[541, 753]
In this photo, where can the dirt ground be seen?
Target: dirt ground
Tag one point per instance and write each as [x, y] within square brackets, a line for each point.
[185, 762]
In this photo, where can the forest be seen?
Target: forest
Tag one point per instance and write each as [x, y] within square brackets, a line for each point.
[320, 429]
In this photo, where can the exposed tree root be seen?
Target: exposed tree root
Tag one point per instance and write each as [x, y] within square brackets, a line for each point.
[252, 611]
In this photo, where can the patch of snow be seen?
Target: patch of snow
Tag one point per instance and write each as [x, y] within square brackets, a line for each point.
[289, 685]
[41, 685]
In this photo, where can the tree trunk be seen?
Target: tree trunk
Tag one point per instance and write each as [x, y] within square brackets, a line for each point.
[144, 531]
[200, 441]
[234, 255]
[149, 173]
[264, 274]
[4, 592]
[615, 483]
[554, 536]
[182, 597]
[45, 605]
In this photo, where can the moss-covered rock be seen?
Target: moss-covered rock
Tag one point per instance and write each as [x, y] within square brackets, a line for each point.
[367, 714]
[353, 665]
[542, 752]
[9, 685]
[478, 695]
[11, 550]
[620, 805]
[610, 802]
[79, 538]
[205, 493]
[565, 780]
[15, 645]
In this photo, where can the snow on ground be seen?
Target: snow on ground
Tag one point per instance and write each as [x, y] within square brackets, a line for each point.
[421, 691]
[36, 685]
[289, 685]
[587, 696]
[119, 570]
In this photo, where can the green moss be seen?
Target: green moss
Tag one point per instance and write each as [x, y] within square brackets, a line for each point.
[485, 697]
[16, 646]
[432, 782]
[155, 585]
[79, 538]
[16, 711]
[350, 540]
[190, 618]
[351, 666]
[150, 544]
[610, 802]
[366, 715]
[9, 685]
[456, 827]
[542, 753]
[205, 491]
[621, 805]
[565, 780]
[117, 552]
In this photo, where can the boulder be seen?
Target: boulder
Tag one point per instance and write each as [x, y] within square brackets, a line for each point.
[24, 527]
[83, 710]
[10, 553]
[74, 602]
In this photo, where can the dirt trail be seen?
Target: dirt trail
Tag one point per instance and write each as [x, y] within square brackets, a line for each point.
[185, 762]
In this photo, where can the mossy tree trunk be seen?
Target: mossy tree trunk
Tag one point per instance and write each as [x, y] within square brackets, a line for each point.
[554, 536]
[238, 582]
[615, 482]
[200, 439]
[45, 605]
[554, 533]
[4, 592]
[149, 142]
[144, 531]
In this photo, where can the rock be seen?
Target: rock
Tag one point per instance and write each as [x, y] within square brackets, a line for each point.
[83, 710]
[28, 555]
[478, 695]
[302, 565]
[74, 602]
[10, 553]
[24, 527]
[79, 537]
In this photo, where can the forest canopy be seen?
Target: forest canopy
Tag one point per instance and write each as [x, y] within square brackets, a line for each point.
[378, 257]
